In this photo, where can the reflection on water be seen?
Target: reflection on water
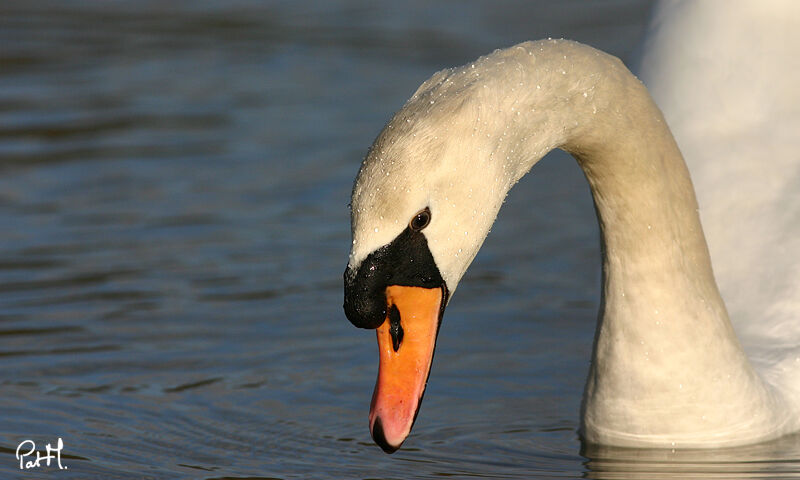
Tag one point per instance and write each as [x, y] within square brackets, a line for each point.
[776, 459]
[174, 180]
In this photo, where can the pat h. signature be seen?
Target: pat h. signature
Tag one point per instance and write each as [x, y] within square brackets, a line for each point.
[29, 457]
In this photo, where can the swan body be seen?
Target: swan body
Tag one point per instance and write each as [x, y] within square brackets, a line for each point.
[667, 368]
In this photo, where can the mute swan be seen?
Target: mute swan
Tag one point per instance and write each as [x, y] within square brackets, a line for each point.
[667, 368]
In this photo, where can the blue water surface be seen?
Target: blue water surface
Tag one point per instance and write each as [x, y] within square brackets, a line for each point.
[174, 182]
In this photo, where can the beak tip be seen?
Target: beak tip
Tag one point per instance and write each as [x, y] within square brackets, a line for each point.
[380, 438]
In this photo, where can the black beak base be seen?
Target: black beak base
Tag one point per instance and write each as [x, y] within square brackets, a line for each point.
[406, 261]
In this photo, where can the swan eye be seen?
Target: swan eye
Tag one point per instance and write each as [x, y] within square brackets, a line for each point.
[420, 220]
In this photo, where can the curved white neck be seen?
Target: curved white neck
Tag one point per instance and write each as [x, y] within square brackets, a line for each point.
[666, 366]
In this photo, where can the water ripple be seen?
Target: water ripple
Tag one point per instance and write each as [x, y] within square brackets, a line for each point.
[173, 201]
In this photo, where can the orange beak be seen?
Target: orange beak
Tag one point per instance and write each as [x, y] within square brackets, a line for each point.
[406, 342]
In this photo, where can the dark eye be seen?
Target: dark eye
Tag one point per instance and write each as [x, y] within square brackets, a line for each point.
[420, 220]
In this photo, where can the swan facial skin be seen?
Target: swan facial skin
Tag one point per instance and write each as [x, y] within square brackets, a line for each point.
[405, 261]
[399, 291]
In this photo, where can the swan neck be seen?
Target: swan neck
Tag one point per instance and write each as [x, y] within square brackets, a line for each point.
[663, 340]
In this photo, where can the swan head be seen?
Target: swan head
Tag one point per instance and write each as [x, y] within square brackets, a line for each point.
[420, 163]
[417, 222]
[424, 201]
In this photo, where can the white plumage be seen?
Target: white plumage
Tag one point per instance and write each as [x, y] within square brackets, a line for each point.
[667, 368]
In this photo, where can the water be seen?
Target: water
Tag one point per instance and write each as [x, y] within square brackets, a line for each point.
[174, 182]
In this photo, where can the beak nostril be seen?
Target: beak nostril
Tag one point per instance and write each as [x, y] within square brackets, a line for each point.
[395, 329]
